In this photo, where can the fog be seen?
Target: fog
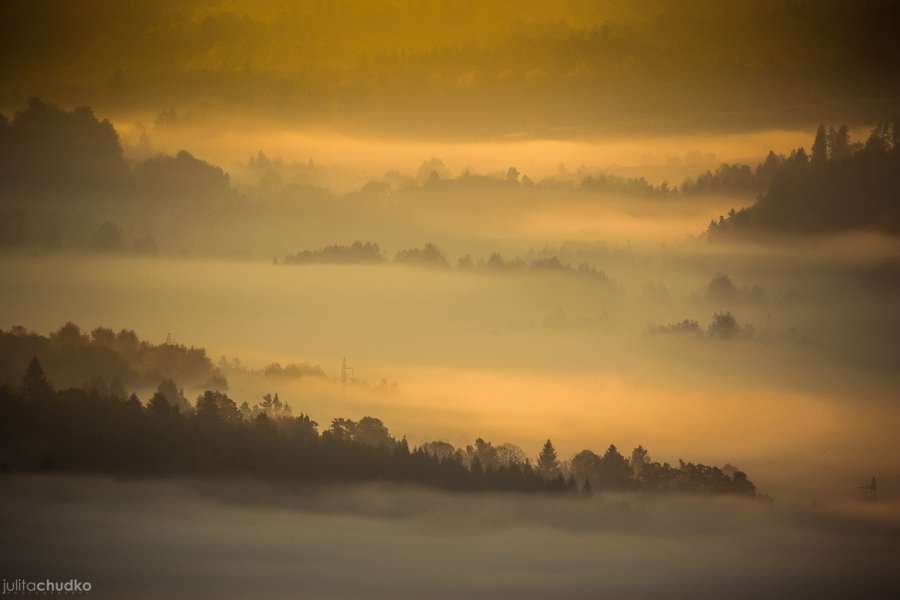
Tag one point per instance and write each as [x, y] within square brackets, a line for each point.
[343, 162]
[584, 306]
[186, 540]
[520, 356]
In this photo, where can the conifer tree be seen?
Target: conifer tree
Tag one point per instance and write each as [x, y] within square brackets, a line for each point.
[548, 463]
[34, 382]
[820, 146]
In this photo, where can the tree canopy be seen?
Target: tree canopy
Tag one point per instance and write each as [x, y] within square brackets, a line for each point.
[105, 430]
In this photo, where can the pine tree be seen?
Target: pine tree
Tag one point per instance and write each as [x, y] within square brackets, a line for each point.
[174, 395]
[614, 469]
[840, 144]
[34, 382]
[639, 458]
[134, 403]
[820, 146]
[548, 463]
[159, 405]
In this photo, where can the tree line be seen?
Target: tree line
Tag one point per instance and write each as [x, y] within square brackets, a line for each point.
[102, 431]
[840, 185]
[109, 360]
[366, 253]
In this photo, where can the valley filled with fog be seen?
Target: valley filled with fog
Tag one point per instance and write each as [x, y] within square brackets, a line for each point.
[797, 391]
[241, 539]
[369, 298]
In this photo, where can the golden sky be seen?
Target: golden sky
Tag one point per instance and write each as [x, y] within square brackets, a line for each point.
[460, 69]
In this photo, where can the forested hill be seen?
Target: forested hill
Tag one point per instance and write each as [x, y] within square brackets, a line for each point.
[111, 361]
[101, 431]
[839, 186]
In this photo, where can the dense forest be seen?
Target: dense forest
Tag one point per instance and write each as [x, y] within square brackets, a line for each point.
[429, 255]
[105, 359]
[839, 186]
[67, 183]
[104, 431]
[735, 179]
[356, 253]
[113, 361]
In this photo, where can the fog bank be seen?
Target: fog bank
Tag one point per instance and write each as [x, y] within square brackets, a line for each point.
[189, 540]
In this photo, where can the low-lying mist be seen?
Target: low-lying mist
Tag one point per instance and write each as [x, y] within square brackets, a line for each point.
[245, 540]
[583, 305]
[796, 390]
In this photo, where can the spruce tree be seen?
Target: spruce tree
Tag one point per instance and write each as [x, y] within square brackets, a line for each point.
[840, 144]
[34, 382]
[820, 146]
[548, 463]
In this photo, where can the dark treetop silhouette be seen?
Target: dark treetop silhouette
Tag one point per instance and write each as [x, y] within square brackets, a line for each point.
[840, 186]
[100, 428]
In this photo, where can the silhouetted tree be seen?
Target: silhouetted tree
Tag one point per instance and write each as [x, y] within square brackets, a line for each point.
[372, 432]
[852, 187]
[548, 463]
[614, 471]
[91, 430]
[429, 255]
[34, 383]
[585, 466]
[727, 179]
[639, 458]
[724, 326]
[342, 429]
[174, 395]
[509, 454]
[305, 429]
[71, 358]
[840, 144]
[820, 147]
[356, 253]
[439, 450]
[159, 406]
[217, 407]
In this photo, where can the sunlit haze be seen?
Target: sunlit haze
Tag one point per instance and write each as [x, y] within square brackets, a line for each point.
[588, 298]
